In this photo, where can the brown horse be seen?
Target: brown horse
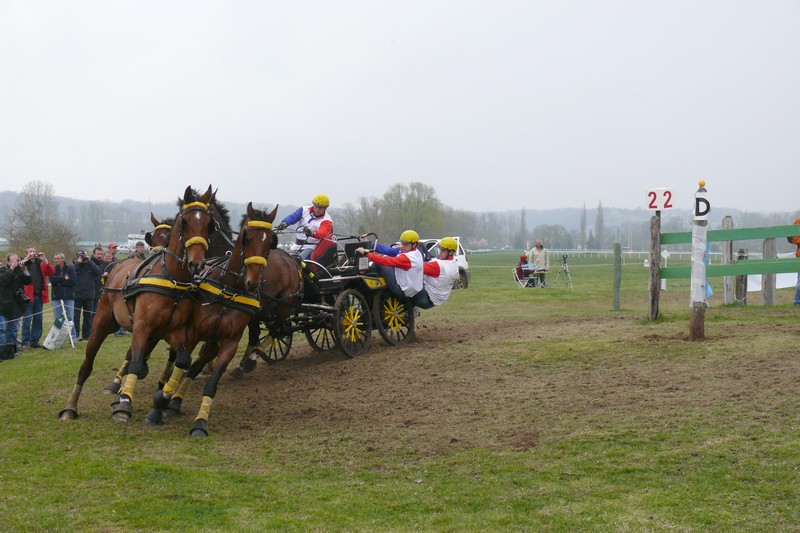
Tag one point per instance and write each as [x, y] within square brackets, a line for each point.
[219, 243]
[281, 291]
[227, 300]
[157, 295]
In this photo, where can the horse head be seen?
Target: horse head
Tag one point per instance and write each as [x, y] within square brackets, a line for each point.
[158, 239]
[192, 224]
[257, 240]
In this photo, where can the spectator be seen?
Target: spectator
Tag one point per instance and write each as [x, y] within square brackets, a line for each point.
[314, 224]
[13, 301]
[403, 272]
[139, 252]
[39, 268]
[97, 260]
[63, 282]
[439, 274]
[522, 266]
[112, 247]
[87, 275]
[796, 241]
[539, 260]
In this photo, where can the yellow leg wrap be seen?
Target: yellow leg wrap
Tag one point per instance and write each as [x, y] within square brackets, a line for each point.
[205, 409]
[129, 384]
[165, 374]
[123, 368]
[183, 387]
[174, 380]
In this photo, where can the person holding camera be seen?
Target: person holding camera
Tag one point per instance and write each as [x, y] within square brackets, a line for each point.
[37, 291]
[13, 300]
[539, 258]
[63, 282]
[87, 276]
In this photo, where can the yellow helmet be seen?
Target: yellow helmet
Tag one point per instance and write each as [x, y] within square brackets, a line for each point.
[448, 243]
[321, 200]
[409, 235]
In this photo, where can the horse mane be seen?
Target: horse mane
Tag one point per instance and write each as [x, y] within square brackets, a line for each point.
[169, 221]
[261, 214]
[221, 213]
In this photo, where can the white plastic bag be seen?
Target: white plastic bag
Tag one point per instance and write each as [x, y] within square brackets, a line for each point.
[60, 332]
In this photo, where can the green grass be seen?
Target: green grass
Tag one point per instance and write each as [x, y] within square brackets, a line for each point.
[516, 409]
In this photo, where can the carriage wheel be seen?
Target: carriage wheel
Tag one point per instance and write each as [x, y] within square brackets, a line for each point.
[321, 339]
[274, 349]
[352, 324]
[394, 318]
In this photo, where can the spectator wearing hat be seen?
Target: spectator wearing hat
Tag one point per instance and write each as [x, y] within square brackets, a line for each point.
[112, 247]
[87, 275]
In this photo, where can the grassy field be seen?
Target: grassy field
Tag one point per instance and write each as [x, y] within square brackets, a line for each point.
[514, 409]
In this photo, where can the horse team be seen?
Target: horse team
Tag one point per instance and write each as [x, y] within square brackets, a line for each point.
[176, 295]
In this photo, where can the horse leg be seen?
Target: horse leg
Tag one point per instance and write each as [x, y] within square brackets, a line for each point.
[207, 355]
[249, 359]
[100, 331]
[161, 397]
[226, 351]
[116, 383]
[122, 407]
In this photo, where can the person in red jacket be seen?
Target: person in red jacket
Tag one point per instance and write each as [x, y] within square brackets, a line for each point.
[40, 268]
[403, 272]
[796, 241]
[439, 274]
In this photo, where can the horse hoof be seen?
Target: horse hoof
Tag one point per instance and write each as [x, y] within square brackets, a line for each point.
[237, 373]
[153, 418]
[111, 388]
[198, 432]
[199, 428]
[121, 417]
[68, 414]
[169, 412]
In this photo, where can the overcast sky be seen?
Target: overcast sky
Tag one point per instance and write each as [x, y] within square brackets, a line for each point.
[496, 104]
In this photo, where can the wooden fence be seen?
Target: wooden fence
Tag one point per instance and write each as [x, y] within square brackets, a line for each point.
[768, 266]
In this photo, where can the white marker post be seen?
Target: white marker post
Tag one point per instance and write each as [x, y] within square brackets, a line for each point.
[698, 281]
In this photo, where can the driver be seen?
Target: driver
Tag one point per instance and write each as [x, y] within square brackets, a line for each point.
[313, 225]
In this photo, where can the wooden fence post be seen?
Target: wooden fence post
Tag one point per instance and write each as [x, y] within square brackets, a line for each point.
[768, 280]
[728, 296]
[617, 273]
[741, 281]
[655, 267]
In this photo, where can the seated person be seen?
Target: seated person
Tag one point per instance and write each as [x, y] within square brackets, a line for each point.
[539, 259]
[314, 225]
[439, 274]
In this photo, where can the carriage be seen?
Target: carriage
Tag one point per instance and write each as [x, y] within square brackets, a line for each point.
[342, 302]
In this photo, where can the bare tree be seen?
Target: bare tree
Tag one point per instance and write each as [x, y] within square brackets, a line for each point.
[35, 220]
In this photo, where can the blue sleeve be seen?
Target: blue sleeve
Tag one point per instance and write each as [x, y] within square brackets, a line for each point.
[386, 250]
[293, 218]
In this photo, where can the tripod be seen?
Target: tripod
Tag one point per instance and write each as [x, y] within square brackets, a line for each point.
[564, 270]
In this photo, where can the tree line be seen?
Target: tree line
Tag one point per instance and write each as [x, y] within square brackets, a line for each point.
[36, 219]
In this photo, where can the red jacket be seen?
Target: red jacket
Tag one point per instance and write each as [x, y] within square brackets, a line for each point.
[47, 270]
[796, 240]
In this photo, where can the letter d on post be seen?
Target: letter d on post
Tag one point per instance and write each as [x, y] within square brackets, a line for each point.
[701, 204]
